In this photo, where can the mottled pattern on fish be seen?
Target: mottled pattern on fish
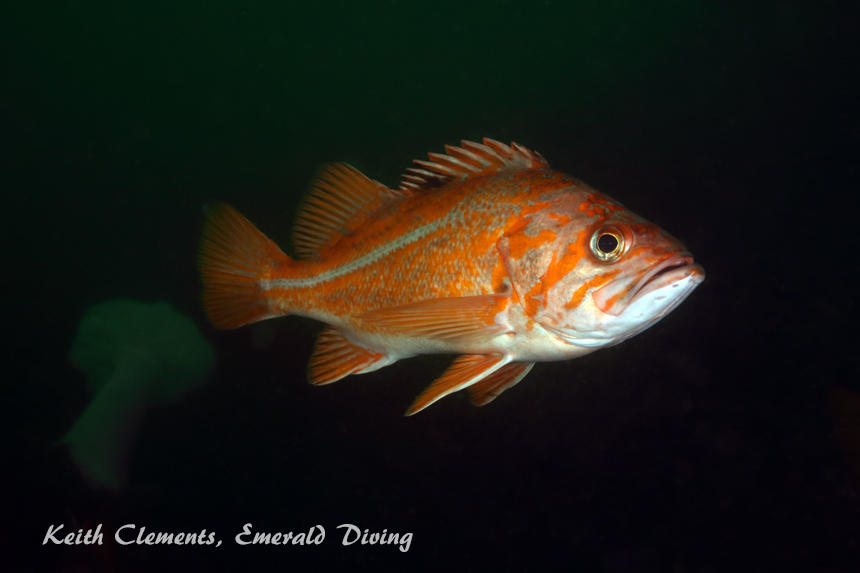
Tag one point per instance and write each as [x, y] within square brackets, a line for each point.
[485, 252]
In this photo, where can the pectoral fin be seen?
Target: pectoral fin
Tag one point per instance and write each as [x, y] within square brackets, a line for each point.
[454, 319]
[465, 371]
[507, 376]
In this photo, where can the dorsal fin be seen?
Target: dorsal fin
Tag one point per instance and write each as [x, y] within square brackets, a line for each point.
[471, 160]
[338, 199]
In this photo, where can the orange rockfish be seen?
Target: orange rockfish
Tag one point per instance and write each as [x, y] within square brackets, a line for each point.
[484, 252]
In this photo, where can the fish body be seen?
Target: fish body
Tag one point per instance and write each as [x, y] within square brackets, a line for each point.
[485, 252]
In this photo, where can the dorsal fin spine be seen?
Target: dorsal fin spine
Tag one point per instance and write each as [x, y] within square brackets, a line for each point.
[465, 154]
[485, 150]
[452, 162]
[470, 160]
[437, 168]
[500, 148]
[521, 149]
[421, 171]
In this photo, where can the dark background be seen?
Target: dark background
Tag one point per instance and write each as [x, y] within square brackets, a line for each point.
[715, 441]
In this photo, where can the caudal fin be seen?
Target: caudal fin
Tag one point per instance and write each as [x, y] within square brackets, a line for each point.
[234, 255]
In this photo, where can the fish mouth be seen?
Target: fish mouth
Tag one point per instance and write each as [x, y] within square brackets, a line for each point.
[662, 274]
[665, 273]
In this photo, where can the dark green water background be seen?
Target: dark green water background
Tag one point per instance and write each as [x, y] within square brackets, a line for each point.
[704, 444]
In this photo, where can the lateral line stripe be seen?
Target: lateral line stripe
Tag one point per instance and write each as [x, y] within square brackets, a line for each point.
[357, 264]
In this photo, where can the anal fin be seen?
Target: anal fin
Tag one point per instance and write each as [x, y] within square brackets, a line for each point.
[507, 376]
[453, 319]
[335, 357]
[465, 371]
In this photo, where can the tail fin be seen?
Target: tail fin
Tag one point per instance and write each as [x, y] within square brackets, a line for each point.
[233, 256]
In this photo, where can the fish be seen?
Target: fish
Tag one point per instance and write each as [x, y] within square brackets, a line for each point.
[483, 251]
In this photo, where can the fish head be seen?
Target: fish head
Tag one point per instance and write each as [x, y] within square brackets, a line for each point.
[612, 275]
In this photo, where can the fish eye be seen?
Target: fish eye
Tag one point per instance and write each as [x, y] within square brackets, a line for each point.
[607, 244]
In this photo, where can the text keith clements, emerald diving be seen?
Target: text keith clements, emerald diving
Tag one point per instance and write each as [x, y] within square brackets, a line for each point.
[131, 534]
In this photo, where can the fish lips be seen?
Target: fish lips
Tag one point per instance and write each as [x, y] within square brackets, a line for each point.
[613, 300]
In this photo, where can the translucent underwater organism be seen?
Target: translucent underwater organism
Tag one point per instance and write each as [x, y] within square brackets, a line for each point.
[134, 354]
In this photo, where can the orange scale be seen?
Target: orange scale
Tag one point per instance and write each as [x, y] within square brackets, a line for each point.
[583, 289]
